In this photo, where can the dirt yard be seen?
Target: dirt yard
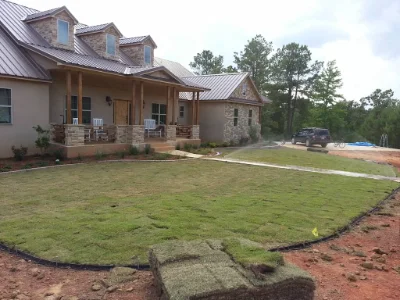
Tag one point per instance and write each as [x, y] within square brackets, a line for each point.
[363, 264]
[390, 157]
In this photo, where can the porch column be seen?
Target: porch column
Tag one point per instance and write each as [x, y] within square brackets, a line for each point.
[69, 114]
[80, 98]
[141, 117]
[133, 104]
[173, 106]
[167, 106]
[193, 109]
[198, 109]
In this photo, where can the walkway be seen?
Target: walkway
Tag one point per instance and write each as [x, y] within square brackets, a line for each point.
[305, 169]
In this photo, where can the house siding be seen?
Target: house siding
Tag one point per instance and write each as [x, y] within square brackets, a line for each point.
[30, 107]
[212, 122]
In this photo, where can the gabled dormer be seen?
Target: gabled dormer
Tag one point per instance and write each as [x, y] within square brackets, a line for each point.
[56, 26]
[140, 49]
[103, 39]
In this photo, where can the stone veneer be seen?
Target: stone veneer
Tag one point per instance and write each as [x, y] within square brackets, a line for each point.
[195, 132]
[170, 132]
[250, 92]
[47, 28]
[136, 53]
[123, 134]
[98, 42]
[137, 134]
[74, 135]
[235, 133]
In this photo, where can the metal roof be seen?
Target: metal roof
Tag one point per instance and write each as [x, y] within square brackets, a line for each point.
[175, 67]
[15, 62]
[132, 40]
[50, 12]
[79, 30]
[221, 85]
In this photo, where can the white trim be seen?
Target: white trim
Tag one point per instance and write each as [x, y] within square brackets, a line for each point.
[10, 106]
[58, 36]
[144, 54]
[115, 44]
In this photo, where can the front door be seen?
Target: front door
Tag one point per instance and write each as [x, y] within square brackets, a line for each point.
[121, 112]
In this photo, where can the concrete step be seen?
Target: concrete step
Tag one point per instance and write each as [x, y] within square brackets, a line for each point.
[164, 148]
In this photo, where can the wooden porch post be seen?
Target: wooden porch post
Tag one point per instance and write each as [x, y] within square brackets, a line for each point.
[80, 98]
[133, 103]
[167, 106]
[69, 114]
[198, 109]
[141, 103]
[173, 105]
[193, 109]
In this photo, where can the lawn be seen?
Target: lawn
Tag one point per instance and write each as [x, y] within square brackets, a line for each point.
[284, 156]
[110, 212]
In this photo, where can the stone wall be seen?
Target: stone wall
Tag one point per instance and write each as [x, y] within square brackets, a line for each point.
[250, 91]
[136, 53]
[47, 28]
[98, 42]
[234, 133]
[170, 132]
[74, 135]
[137, 134]
[123, 134]
[195, 132]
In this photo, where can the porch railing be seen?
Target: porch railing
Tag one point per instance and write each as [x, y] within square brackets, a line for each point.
[183, 131]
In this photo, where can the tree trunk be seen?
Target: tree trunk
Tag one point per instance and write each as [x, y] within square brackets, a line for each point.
[289, 111]
[293, 111]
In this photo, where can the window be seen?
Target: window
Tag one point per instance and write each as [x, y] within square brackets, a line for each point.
[159, 113]
[181, 111]
[110, 44]
[147, 55]
[244, 89]
[235, 116]
[86, 109]
[5, 106]
[63, 32]
[250, 116]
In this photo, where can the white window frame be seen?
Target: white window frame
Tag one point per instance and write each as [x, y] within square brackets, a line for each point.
[115, 46]
[144, 54]
[8, 106]
[181, 111]
[73, 109]
[58, 32]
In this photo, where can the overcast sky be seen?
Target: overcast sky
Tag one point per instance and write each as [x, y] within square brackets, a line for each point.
[362, 35]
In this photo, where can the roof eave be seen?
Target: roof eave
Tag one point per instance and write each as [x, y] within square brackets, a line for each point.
[63, 8]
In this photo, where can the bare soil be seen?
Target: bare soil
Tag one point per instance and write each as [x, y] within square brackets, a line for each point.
[336, 266]
[389, 157]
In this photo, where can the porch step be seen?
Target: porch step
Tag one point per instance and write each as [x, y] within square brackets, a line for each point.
[162, 148]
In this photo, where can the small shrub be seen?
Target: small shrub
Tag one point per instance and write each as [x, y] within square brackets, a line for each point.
[19, 153]
[58, 162]
[43, 140]
[27, 166]
[133, 150]
[232, 143]
[212, 145]
[147, 149]
[58, 154]
[99, 155]
[188, 147]
[5, 168]
[195, 147]
[177, 147]
[42, 164]
[161, 156]
[253, 134]
[203, 145]
[244, 140]
[225, 144]
[79, 157]
[121, 154]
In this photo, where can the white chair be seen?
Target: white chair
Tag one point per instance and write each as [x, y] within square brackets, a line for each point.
[150, 126]
[98, 129]
[75, 121]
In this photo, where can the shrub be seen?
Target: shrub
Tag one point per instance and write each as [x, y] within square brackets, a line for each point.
[5, 168]
[188, 147]
[253, 134]
[58, 162]
[225, 144]
[43, 140]
[203, 145]
[244, 140]
[19, 153]
[147, 149]
[27, 166]
[121, 154]
[212, 145]
[133, 150]
[161, 156]
[42, 164]
[178, 147]
[232, 143]
[99, 155]
[195, 147]
[79, 157]
[58, 154]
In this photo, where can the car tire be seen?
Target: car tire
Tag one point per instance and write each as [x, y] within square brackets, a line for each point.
[293, 141]
[308, 143]
[324, 145]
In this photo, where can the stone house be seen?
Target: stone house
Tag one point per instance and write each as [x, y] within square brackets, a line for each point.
[64, 75]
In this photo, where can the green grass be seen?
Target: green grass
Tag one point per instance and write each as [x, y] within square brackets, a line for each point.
[312, 159]
[111, 212]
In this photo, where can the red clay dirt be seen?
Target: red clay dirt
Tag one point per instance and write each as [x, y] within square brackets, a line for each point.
[389, 157]
[24, 280]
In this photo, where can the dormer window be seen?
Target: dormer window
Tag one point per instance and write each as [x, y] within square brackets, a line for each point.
[111, 44]
[62, 32]
[147, 55]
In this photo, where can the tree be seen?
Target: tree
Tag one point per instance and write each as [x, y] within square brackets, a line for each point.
[293, 73]
[205, 63]
[229, 69]
[255, 60]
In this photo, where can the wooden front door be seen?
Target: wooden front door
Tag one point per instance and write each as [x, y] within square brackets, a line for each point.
[121, 112]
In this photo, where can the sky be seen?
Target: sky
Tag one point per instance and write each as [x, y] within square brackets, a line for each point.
[361, 35]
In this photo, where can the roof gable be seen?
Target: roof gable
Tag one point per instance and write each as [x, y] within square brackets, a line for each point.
[161, 73]
[137, 40]
[252, 95]
[49, 13]
[83, 30]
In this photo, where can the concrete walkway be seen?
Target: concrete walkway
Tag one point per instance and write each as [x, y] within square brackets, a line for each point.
[305, 169]
[184, 153]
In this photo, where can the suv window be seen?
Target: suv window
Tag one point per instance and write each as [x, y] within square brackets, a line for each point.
[323, 132]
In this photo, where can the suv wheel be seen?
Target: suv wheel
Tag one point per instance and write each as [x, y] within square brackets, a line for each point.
[308, 143]
[293, 141]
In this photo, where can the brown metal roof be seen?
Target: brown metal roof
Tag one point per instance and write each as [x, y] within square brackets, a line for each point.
[136, 40]
[173, 66]
[46, 13]
[16, 62]
[221, 85]
[81, 30]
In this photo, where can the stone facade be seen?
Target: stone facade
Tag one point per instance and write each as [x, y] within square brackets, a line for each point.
[137, 134]
[123, 134]
[234, 133]
[195, 132]
[136, 53]
[74, 135]
[98, 42]
[245, 91]
[47, 28]
[170, 132]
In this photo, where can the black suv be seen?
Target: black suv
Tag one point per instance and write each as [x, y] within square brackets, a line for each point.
[312, 136]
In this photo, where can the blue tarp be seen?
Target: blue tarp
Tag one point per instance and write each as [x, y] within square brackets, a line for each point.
[366, 144]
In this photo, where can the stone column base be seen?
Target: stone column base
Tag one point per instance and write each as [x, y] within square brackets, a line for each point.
[170, 132]
[74, 135]
[137, 134]
[195, 132]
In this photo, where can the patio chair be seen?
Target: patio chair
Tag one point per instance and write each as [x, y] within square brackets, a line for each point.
[75, 121]
[151, 129]
[98, 130]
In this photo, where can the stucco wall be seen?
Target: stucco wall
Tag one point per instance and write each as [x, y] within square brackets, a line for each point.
[30, 107]
[212, 122]
[187, 114]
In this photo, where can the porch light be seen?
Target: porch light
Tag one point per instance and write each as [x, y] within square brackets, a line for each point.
[109, 100]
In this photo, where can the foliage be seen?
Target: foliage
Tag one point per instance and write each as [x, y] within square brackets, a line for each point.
[205, 63]
[59, 154]
[161, 156]
[27, 166]
[5, 168]
[43, 139]
[79, 157]
[244, 140]
[42, 164]
[187, 147]
[177, 147]
[212, 145]
[19, 153]
[253, 134]
[121, 154]
[99, 155]
[148, 149]
[133, 150]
